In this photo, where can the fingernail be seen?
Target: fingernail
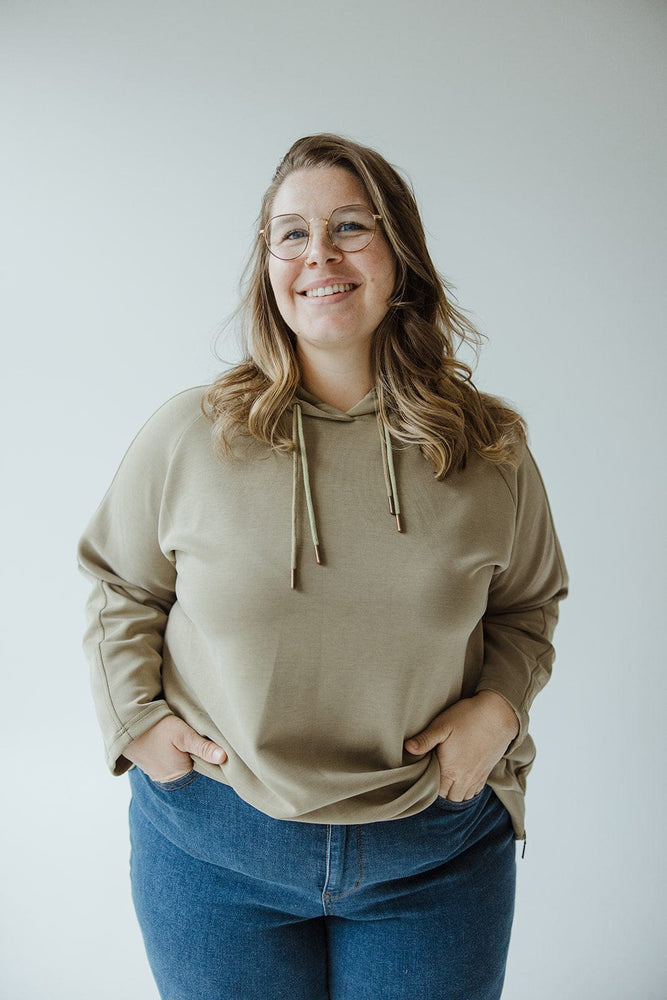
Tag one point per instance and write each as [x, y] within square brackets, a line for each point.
[218, 756]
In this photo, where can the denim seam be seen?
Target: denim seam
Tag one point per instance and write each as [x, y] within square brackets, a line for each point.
[329, 897]
[327, 873]
[177, 784]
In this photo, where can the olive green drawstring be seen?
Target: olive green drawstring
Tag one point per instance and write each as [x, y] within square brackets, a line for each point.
[389, 472]
[297, 433]
[295, 476]
[299, 443]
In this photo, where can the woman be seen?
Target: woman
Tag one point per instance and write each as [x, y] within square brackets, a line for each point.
[327, 707]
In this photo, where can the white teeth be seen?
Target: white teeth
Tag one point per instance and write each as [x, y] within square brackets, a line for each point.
[328, 290]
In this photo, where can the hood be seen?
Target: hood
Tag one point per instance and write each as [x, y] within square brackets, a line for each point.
[311, 406]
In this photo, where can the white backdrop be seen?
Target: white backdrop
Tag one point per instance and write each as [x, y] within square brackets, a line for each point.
[137, 138]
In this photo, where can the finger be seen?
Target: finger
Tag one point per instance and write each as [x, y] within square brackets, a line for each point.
[424, 741]
[193, 743]
[446, 789]
[474, 793]
[457, 792]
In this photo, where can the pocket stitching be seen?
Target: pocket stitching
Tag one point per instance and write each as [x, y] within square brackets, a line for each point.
[182, 782]
[451, 806]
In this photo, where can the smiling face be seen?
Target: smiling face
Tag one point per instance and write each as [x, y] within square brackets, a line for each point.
[328, 298]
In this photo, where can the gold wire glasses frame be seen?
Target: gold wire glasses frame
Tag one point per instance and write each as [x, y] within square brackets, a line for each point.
[350, 228]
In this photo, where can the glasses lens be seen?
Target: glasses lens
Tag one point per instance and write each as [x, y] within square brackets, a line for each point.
[351, 228]
[286, 236]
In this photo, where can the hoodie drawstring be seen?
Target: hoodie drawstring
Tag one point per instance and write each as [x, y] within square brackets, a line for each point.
[299, 440]
[299, 443]
[389, 472]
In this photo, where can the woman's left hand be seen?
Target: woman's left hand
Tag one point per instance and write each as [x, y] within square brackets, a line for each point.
[469, 737]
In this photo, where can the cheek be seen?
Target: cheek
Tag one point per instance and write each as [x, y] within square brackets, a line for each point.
[279, 289]
[384, 280]
[384, 269]
[281, 283]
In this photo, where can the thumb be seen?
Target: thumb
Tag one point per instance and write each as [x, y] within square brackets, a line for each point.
[429, 738]
[193, 743]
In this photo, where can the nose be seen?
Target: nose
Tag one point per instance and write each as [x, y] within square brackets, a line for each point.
[320, 249]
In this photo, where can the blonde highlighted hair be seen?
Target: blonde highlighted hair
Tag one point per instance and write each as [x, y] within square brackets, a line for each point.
[426, 395]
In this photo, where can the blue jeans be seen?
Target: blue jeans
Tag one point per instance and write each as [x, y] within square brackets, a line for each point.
[234, 905]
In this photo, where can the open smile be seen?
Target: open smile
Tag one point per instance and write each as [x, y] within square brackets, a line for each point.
[325, 290]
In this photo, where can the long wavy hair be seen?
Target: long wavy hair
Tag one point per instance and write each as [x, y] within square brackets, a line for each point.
[425, 394]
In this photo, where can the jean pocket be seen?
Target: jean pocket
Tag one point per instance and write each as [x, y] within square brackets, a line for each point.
[450, 806]
[172, 786]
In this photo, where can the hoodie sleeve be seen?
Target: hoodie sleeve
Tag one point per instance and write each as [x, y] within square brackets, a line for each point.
[133, 588]
[522, 608]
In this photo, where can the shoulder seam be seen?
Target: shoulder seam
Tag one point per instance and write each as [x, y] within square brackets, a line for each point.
[505, 478]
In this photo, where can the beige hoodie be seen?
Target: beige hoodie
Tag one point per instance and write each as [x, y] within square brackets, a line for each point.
[312, 691]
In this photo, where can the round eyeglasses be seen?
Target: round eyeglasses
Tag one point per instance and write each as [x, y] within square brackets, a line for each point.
[350, 228]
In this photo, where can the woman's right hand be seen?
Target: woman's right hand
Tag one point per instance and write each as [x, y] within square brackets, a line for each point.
[166, 750]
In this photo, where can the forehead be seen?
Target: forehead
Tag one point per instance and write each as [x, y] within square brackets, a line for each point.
[317, 191]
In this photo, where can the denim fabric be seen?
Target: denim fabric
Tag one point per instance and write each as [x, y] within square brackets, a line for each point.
[235, 905]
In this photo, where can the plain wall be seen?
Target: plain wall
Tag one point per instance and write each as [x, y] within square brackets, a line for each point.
[137, 139]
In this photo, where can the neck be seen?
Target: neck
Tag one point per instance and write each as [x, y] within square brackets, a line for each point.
[338, 384]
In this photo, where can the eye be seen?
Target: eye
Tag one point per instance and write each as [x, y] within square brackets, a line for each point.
[351, 226]
[352, 221]
[294, 234]
[286, 229]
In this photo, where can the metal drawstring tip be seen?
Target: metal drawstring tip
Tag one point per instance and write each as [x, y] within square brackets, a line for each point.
[293, 579]
[318, 556]
[392, 509]
[399, 524]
